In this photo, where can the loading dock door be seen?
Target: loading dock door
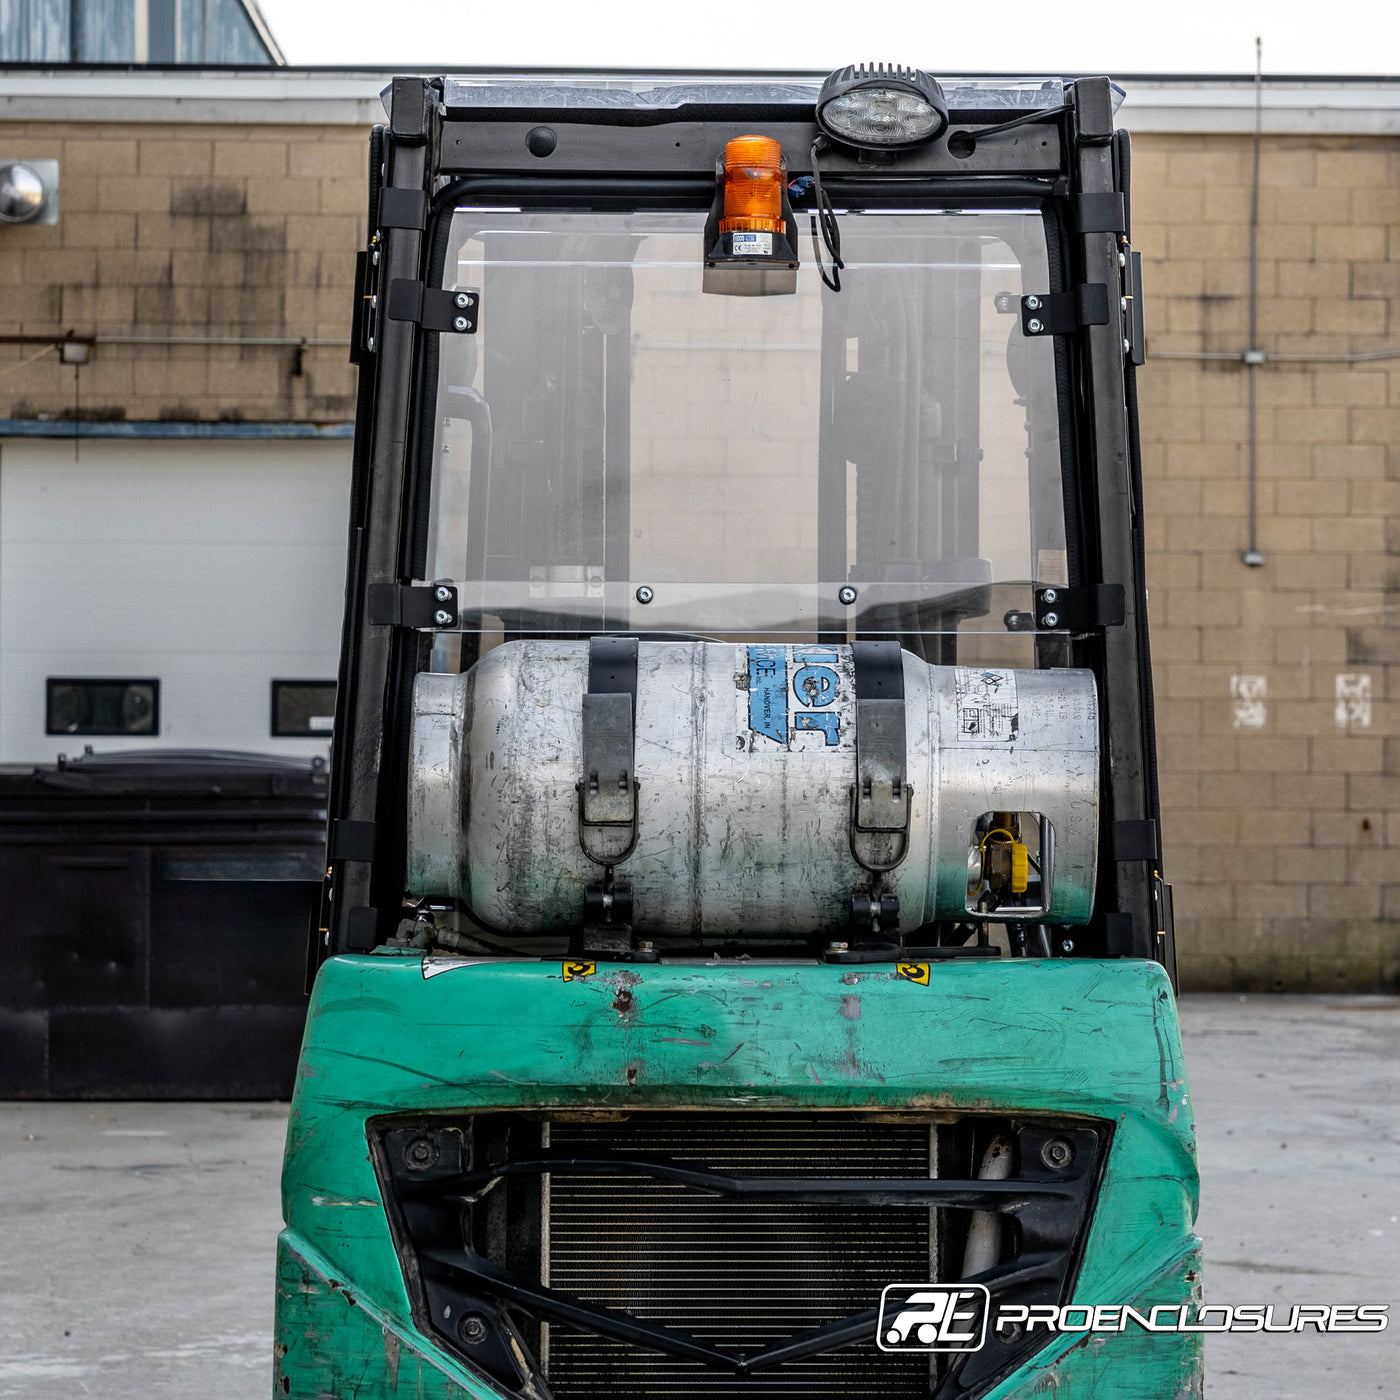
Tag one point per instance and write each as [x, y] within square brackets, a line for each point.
[213, 566]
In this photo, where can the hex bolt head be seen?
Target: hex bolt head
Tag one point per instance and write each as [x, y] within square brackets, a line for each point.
[1034, 327]
[1032, 303]
[420, 1153]
[459, 323]
[472, 1329]
[1057, 1154]
[1050, 595]
[442, 593]
[1052, 619]
[442, 617]
[462, 301]
[1067, 946]
[847, 595]
[369, 345]
[645, 595]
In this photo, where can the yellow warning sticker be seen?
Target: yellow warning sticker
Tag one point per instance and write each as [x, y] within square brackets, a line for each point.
[913, 972]
[574, 970]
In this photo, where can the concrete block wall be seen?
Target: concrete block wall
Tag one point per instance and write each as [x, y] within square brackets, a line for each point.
[1278, 687]
[186, 231]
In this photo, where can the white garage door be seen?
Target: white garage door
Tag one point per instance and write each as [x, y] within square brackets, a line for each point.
[214, 567]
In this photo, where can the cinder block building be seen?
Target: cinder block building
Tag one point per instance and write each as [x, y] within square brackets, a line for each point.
[175, 406]
[204, 256]
[1277, 672]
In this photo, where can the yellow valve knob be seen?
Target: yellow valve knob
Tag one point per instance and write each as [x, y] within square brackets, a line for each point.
[1020, 868]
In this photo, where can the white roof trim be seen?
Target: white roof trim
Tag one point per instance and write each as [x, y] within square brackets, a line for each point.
[1307, 106]
[309, 96]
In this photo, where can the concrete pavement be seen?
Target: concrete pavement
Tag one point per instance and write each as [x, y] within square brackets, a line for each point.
[136, 1239]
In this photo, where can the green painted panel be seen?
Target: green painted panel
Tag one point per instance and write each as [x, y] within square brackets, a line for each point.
[391, 1033]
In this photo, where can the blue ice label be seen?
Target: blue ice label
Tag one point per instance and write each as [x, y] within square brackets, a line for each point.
[768, 710]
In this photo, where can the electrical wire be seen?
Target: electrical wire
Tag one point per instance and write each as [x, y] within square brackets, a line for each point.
[1299, 357]
[824, 218]
[15, 369]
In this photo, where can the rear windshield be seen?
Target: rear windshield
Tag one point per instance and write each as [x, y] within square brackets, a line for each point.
[617, 450]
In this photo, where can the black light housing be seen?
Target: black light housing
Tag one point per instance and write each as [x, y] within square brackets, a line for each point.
[881, 108]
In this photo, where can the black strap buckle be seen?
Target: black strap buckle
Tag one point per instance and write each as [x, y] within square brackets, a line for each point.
[607, 791]
[881, 798]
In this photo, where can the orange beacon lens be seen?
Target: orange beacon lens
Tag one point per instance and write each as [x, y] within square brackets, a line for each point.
[753, 186]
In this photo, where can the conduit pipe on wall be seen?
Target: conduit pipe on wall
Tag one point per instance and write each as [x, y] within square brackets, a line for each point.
[1253, 357]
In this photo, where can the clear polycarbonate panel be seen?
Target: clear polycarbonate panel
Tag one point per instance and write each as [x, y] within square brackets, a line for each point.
[617, 450]
[664, 91]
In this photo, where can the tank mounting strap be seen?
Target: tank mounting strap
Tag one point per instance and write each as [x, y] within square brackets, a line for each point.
[608, 788]
[881, 798]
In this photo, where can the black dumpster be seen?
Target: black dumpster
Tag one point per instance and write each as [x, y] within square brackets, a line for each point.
[153, 919]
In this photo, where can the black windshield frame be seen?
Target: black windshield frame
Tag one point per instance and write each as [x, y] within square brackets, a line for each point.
[384, 648]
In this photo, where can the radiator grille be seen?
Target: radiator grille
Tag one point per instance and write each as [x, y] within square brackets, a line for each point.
[739, 1273]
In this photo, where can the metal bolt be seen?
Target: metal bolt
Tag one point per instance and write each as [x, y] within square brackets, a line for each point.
[374, 257]
[1122, 260]
[1067, 946]
[369, 345]
[1032, 303]
[1122, 303]
[472, 1329]
[644, 594]
[442, 593]
[1050, 595]
[1052, 619]
[459, 323]
[420, 1154]
[847, 595]
[1057, 1154]
[1127, 345]
[1034, 326]
[462, 300]
[442, 617]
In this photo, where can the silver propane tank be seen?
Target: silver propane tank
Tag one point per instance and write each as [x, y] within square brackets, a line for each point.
[744, 789]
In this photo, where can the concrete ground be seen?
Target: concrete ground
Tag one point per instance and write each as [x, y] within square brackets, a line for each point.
[136, 1239]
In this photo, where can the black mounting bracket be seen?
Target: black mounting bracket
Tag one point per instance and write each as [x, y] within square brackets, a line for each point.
[424, 605]
[1102, 211]
[402, 208]
[1135, 332]
[1080, 609]
[1063, 313]
[452, 310]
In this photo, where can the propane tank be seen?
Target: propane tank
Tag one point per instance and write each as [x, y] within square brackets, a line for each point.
[747, 773]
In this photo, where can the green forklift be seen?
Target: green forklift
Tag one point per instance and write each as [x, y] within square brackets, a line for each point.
[744, 967]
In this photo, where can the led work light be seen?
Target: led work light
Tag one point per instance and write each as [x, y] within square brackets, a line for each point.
[880, 108]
